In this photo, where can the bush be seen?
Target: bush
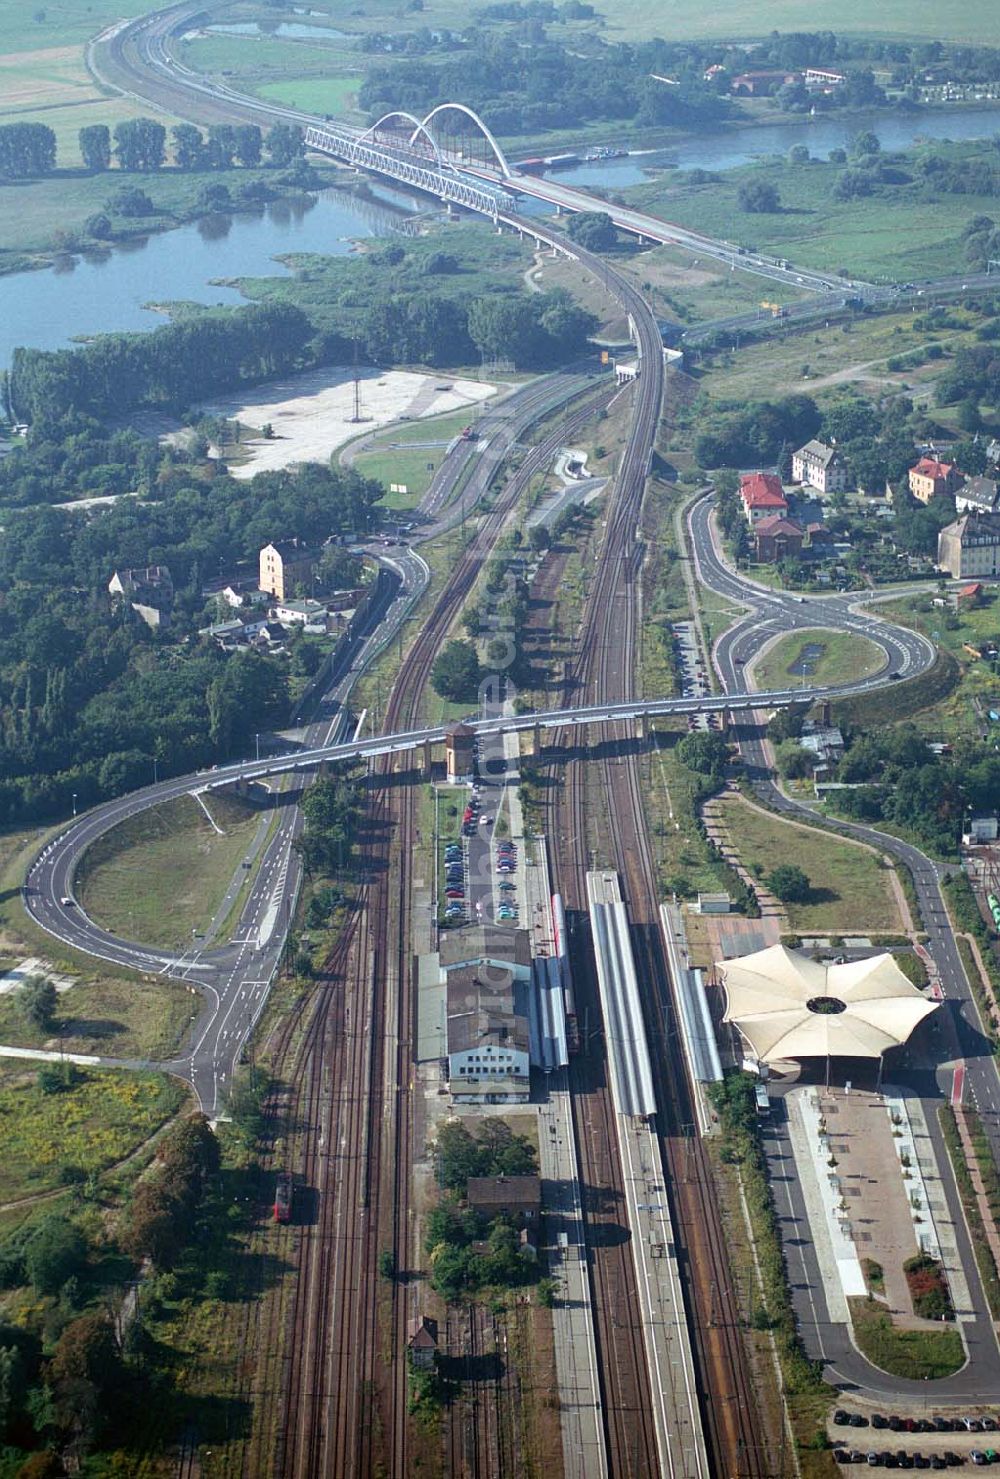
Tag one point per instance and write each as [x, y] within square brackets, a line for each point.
[789, 884]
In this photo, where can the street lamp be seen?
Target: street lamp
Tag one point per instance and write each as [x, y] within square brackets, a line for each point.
[74, 803]
[258, 746]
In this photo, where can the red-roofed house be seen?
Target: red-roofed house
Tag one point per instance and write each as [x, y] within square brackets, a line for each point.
[762, 496]
[777, 539]
[931, 477]
[970, 593]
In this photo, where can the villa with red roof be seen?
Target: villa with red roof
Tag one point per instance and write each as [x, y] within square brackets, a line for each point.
[930, 477]
[762, 496]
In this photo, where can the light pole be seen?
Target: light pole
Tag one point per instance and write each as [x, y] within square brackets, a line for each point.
[258, 746]
[74, 803]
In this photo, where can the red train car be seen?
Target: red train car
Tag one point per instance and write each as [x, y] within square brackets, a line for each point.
[283, 1198]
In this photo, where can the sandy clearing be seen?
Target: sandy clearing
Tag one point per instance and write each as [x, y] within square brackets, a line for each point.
[311, 413]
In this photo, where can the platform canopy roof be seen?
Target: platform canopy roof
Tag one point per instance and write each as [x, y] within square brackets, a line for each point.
[789, 1006]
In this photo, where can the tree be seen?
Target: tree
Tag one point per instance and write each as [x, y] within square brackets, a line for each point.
[789, 884]
[99, 226]
[95, 146]
[456, 674]
[130, 201]
[248, 145]
[704, 751]
[759, 197]
[37, 1001]
[140, 144]
[865, 144]
[189, 146]
[55, 1252]
[26, 150]
[284, 144]
[84, 1371]
[594, 230]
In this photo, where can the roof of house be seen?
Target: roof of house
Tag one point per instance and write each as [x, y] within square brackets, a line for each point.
[484, 942]
[290, 549]
[778, 525]
[459, 730]
[974, 524]
[482, 1010]
[980, 490]
[762, 490]
[818, 452]
[975, 589]
[930, 467]
[422, 1333]
[501, 1191]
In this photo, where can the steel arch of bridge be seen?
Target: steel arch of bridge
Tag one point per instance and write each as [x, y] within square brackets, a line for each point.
[461, 109]
[435, 177]
[375, 134]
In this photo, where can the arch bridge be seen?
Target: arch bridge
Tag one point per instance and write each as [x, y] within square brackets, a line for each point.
[444, 154]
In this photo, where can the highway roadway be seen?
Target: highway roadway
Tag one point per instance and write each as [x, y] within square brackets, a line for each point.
[955, 1031]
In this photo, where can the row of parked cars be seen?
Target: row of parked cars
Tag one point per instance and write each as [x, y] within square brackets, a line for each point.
[953, 1423]
[454, 876]
[903, 1460]
[506, 865]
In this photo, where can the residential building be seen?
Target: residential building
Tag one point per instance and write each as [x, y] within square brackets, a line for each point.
[300, 613]
[978, 495]
[931, 478]
[820, 466]
[762, 495]
[284, 566]
[825, 741]
[516, 1197]
[422, 1342]
[970, 547]
[149, 592]
[777, 539]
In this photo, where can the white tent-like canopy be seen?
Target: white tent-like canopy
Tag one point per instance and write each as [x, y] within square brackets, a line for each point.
[788, 1006]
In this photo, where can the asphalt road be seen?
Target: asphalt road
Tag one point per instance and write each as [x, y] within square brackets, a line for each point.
[953, 1034]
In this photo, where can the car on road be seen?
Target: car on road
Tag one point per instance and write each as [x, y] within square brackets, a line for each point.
[66, 901]
[485, 821]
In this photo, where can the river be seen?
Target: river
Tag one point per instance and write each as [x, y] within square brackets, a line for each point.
[107, 291]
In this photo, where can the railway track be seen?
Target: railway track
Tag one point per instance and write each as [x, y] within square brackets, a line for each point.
[337, 1408]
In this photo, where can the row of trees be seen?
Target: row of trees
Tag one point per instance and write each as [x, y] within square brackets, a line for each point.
[28, 150]
[331, 811]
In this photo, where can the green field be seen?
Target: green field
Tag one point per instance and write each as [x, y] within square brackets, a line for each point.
[851, 891]
[414, 466]
[163, 874]
[115, 1018]
[321, 95]
[89, 1125]
[844, 659]
[851, 355]
[895, 234]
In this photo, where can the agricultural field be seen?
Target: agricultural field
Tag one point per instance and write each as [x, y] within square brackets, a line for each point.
[161, 876]
[895, 234]
[89, 1122]
[851, 891]
[843, 658]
